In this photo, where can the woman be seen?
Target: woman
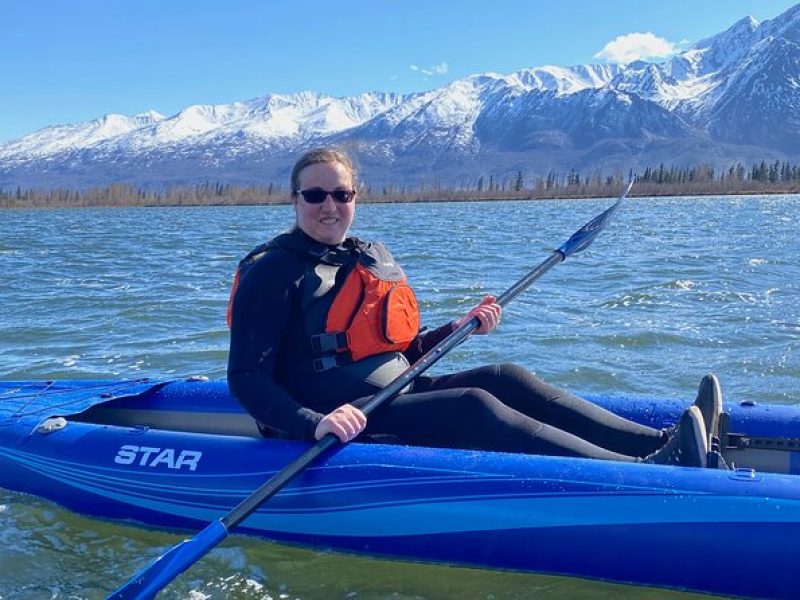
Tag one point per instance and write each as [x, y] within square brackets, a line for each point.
[321, 321]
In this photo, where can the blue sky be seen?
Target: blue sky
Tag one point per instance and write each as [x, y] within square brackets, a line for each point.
[68, 61]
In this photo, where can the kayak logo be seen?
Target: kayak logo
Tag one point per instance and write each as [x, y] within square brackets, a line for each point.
[147, 456]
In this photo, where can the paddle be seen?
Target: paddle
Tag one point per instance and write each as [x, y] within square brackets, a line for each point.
[148, 582]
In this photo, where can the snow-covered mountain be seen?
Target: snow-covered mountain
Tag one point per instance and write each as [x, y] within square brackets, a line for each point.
[731, 97]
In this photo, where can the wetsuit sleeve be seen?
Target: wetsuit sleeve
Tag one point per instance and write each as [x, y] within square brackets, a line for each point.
[262, 306]
[425, 340]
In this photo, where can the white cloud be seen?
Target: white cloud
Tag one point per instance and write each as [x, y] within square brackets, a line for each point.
[635, 46]
[439, 69]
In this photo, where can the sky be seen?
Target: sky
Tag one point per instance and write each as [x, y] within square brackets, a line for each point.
[71, 61]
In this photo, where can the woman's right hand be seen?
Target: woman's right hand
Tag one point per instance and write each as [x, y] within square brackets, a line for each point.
[346, 422]
[488, 313]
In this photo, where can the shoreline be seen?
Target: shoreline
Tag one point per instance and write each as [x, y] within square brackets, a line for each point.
[110, 198]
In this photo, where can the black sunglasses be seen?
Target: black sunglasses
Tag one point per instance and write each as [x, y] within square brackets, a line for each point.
[318, 195]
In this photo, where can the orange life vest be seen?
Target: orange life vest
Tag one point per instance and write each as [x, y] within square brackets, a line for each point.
[372, 313]
[374, 310]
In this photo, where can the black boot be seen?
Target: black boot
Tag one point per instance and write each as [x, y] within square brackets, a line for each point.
[709, 401]
[694, 439]
[686, 444]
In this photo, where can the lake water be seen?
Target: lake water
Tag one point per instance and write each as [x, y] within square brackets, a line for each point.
[674, 288]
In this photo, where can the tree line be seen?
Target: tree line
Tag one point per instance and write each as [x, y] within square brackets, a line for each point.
[661, 180]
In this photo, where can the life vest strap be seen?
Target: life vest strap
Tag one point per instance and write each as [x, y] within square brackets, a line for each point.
[324, 343]
[331, 361]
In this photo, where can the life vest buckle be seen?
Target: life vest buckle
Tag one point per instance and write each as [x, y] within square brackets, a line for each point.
[326, 343]
[325, 363]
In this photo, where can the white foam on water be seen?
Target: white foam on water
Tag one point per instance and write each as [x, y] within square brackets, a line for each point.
[254, 585]
[747, 297]
[233, 584]
[244, 580]
[71, 360]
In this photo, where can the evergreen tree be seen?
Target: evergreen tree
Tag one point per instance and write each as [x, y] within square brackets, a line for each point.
[519, 184]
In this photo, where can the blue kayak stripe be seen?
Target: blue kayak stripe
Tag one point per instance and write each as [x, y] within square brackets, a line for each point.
[525, 513]
[69, 472]
[56, 469]
[115, 487]
[445, 474]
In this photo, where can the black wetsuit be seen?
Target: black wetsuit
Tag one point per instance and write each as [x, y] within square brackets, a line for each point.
[283, 297]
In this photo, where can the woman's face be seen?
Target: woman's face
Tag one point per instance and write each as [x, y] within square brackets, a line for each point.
[328, 222]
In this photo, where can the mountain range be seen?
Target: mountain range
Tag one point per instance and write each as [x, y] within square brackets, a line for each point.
[733, 97]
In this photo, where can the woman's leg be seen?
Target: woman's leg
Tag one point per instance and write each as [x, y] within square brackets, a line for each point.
[518, 388]
[473, 418]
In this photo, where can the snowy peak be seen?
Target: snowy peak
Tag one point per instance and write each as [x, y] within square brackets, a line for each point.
[58, 138]
[762, 100]
[196, 120]
[786, 25]
[730, 46]
[273, 117]
[567, 80]
[311, 115]
[695, 80]
[333, 115]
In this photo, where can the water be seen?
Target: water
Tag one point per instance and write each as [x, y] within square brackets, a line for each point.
[673, 289]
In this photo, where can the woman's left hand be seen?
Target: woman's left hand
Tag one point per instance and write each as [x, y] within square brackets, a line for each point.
[346, 422]
[488, 313]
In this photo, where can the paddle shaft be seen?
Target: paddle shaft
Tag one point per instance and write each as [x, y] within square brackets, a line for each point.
[148, 582]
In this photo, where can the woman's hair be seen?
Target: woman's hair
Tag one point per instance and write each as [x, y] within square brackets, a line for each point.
[321, 155]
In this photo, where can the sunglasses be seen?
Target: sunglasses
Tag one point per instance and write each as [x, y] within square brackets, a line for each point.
[318, 195]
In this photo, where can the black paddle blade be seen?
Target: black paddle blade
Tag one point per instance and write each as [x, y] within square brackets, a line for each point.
[581, 239]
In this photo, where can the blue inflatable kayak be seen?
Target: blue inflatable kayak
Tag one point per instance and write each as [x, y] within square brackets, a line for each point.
[179, 454]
